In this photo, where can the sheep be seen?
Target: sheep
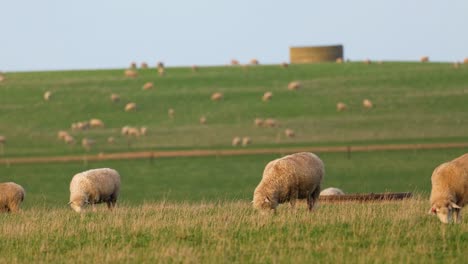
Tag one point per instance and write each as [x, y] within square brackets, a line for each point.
[450, 189]
[130, 131]
[111, 140]
[339, 60]
[11, 196]
[93, 187]
[170, 113]
[465, 61]
[293, 86]
[366, 103]
[2, 139]
[69, 140]
[284, 65]
[246, 141]
[160, 64]
[2, 77]
[202, 120]
[87, 143]
[270, 122]
[47, 95]
[236, 141]
[340, 106]
[148, 86]
[456, 65]
[234, 62]
[144, 65]
[143, 131]
[267, 96]
[424, 59]
[130, 107]
[194, 68]
[296, 176]
[115, 97]
[131, 73]
[217, 96]
[258, 122]
[289, 133]
[133, 65]
[80, 125]
[62, 134]
[331, 191]
[367, 61]
[95, 123]
[254, 62]
[161, 71]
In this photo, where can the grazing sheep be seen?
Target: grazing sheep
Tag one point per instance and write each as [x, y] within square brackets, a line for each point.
[293, 86]
[424, 59]
[161, 71]
[47, 95]
[366, 103]
[80, 125]
[131, 73]
[148, 86]
[339, 60]
[160, 64]
[130, 131]
[254, 62]
[143, 131]
[2, 77]
[115, 97]
[340, 106]
[258, 122]
[69, 140]
[130, 107]
[170, 113]
[234, 62]
[465, 61]
[87, 143]
[284, 65]
[2, 139]
[270, 122]
[456, 65]
[11, 196]
[111, 140]
[96, 123]
[93, 187]
[367, 61]
[236, 141]
[296, 176]
[133, 65]
[202, 120]
[62, 134]
[331, 191]
[194, 68]
[216, 96]
[144, 65]
[267, 96]
[450, 189]
[246, 141]
[289, 133]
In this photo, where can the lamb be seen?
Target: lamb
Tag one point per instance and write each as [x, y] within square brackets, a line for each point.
[424, 59]
[93, 187]
[69, 139]
[270, 122]
[216, 96]
[289, 133]
[95, 123]
[131, 73]
[246, 141]
[11, 196]
[47, 95]
[293, 86]
[130, 107]
[296, 176]
[340, 106]
[148, 86]
[143, 130]
[115, 97]
[331, 191]
[236, 141]
[450, 189]
[267, 96]
[258, 122]
[366, 103]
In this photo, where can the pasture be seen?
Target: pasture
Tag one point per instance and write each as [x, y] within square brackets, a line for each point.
[197, 209]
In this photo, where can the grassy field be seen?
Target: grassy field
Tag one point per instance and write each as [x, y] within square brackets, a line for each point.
[197, 209]
[413, 102]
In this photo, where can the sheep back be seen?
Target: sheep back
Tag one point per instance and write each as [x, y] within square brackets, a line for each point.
[11, 196]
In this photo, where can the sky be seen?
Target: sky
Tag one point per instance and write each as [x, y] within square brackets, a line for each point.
[99, 34]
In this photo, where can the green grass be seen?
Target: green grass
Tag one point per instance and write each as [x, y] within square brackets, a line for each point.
[231, 232]
[413, 102]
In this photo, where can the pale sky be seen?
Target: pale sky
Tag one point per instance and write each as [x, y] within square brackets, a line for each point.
[97, 34]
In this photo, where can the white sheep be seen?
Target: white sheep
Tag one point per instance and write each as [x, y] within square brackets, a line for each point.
[293, 86]
[93, 187]
[234, 62]
[62, 134]
[69, 139]
[216, 96]
[144, 65]
[2, 77]
[96, 123]
[270, 122]
[340, 106]
[450, 189]
[130, 107]
[87, 143]
[258, 122]
[331, 191]
[143, 130]
[170, 113]
[131, 73]
[296, 176]
[246, 141]
[289, 133]
[11, 196]
[2, 139]
[202, 120]
[47, 95]
[148, 86]
[339, 60]
[236, 141]
[424, 59]
[267, 96]
[115, 97]
[366, 103]
[254, 62]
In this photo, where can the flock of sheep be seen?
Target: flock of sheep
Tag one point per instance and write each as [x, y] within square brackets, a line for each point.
[286, 179]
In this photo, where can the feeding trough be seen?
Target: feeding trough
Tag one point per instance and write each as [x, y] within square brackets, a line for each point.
[366, 197]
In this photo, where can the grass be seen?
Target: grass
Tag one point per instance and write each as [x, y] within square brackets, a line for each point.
[220, 232]
[414, 102]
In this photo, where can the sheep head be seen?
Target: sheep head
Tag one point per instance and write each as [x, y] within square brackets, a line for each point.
[444, 211]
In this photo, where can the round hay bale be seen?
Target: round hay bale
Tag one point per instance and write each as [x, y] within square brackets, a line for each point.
[313, 54]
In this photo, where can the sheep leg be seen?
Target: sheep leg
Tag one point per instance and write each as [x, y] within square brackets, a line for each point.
[457, 216]
[93, 208]
[13, 208]
[293, 198]
[313, 197]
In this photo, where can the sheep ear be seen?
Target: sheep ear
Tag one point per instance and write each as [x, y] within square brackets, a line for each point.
[432, 211]
[454, 205]
[69, 203]
[266, 200]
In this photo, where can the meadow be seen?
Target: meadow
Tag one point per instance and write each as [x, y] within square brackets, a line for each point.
[197, 209]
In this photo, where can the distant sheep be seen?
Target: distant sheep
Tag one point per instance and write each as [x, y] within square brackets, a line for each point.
[289, 133]
[246, 141]
[148, 86]
[111, 140]
[366, 103]
[47, 95]
[87, 143]
[115, 97]
[296, 176]
[80, 125]
[2, 139]
[465, 61]
[267, 96]
[161, 71]
[234, 62]
[202, 120]
[217, 96]
[449, 192]
[11, 196]
[236, 141]
[340, 106]
[258, 122]
[62, 134]
[69, 139]
[130, 131]
[293, 86]
[424, 59]
[339, 60]
[331, 191]
[94, 187]
[133, 65]
[2, 77]
[254, 62]
[160, 64]
[143, 131]
[144, 65]
[131, 73]
[284, 65]
[367, 61]
[130, 107]
[170, 113]
[194, 68]
[96, 123]
[270, 122]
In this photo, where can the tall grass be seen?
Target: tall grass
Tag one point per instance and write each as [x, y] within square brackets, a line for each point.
[212, 232]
